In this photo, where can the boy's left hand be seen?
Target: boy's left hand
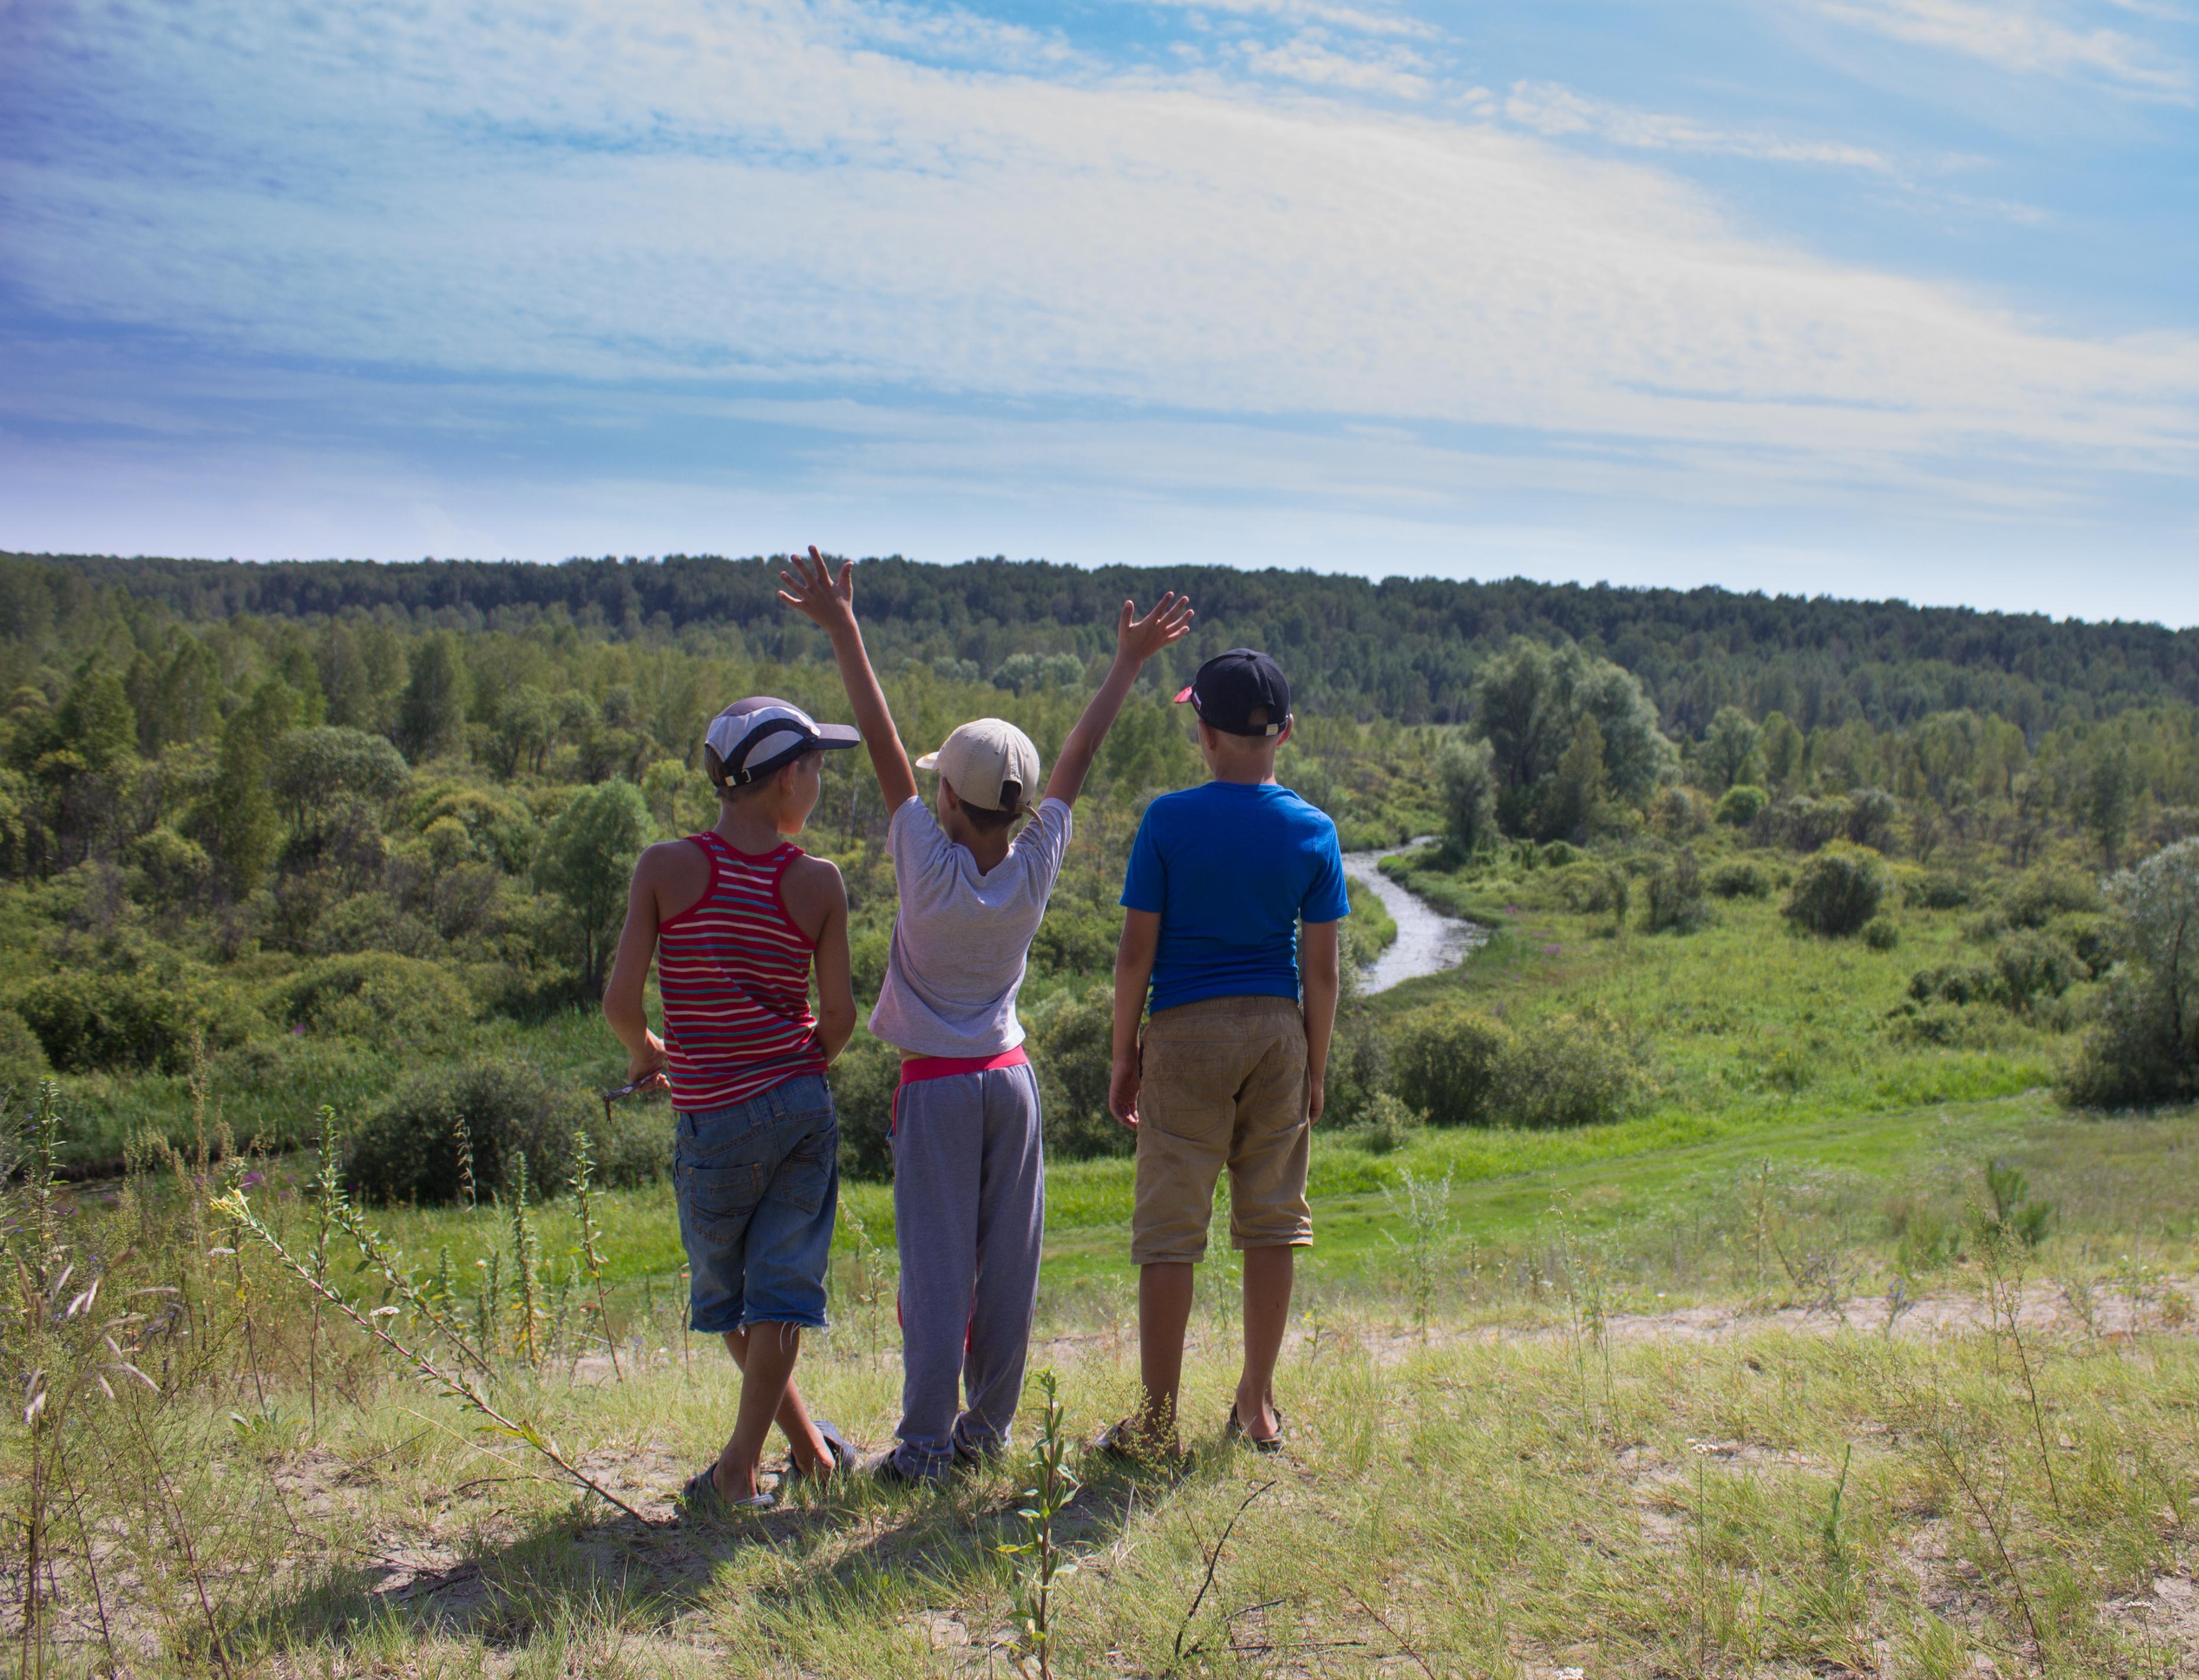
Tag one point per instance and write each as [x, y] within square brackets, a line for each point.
[1139, 639]
[811, 589]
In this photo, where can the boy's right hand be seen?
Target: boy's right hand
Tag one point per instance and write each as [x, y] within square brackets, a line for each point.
[1122, 1083]
[1138, 640]
[826, 601]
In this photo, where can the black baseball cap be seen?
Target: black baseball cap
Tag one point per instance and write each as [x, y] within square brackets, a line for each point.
[752, 738]
[1231, 686]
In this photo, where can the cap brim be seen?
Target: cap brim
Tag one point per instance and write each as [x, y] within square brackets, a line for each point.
[1185, 695]
[929, 762]
[831, 735]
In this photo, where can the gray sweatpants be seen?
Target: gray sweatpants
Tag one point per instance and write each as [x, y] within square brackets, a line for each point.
[969, 1213]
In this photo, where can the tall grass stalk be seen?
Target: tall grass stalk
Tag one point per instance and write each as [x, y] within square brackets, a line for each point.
[1042, 1564]
[526, 1267]
[235, 1205]
[591, 1240]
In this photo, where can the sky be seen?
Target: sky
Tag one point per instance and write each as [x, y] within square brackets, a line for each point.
[1866, 298]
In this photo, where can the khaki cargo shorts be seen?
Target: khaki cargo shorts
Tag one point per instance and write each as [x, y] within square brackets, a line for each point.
[1222, 1083]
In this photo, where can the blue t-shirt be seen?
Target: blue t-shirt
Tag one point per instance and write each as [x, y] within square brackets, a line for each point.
[1231, 869]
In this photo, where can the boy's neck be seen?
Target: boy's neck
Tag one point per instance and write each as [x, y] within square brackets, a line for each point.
[748, 824]
[989, 851]
[1252, 770]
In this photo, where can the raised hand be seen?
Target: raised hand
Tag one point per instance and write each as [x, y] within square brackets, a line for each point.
[811, 589]
[1140, 638]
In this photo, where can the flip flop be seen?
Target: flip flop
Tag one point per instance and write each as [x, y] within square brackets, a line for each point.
[701, 1494]
[1234, 1431]
[845, 1458]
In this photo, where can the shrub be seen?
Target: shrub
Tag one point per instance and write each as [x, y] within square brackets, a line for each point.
[88, 1022]
[1679, 813]
[177, 868]
[1871, 814]
[1739, 804]
[2033, 966]
[1800, 825]
[1559, 853]
[22, 1057]
[1740, 880]
[1953, 983]
[864, 1080]
[1071, 1048]
[1571, 1071]
[1446, 1061]
[387, 1000]
[1674, 892]
[1389, 1125]
[1837, 892]
[2144, 1046]
[2044, 893]
[1937, 890]
[409, 1148]
[1881, 933]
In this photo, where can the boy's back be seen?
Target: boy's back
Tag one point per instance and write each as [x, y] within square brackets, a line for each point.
[1231, 868]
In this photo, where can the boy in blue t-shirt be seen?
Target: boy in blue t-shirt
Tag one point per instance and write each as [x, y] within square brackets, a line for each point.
[1229, 1069]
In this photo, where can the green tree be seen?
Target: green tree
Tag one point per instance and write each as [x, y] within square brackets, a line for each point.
[345, 679]
[1528, 702]
[2110, 792]
[190, 693]
[1466, 772]
[1572, 806]
[1781, 745]
[2144, 1045]
[588, 859]
[1731, 750]
[431, 713]
[95, 722]
[237, 816]
[526, 724]
[313, 772]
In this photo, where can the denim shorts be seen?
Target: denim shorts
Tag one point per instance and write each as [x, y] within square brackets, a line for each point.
[757, 1186]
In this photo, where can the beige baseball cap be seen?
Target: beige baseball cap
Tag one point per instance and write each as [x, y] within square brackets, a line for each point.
[991, 763]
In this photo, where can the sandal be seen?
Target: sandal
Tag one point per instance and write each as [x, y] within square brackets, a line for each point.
[701, 1494]
[1119, 1444]
[1235, 1432]
[845, 1459]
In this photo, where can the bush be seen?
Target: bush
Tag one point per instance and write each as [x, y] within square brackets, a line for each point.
[1954, 983]
[1871, 814]
[1739, 804]
[1389, 1126]
[1937, 890]
[2144, 1046]
[1881, 933]
[1071, 1048]
[1446, 1061]
[87, 1022]
[1557, 854]
[1674, 892]
[1837, 892]
[2044, 893]
[1800, 825]
[22, 1057]
[1679, 813]
[2034, 965]
[864, 1080]
[408, 1149]
[388, 1000]
[1740, 880]
[1571, 1071]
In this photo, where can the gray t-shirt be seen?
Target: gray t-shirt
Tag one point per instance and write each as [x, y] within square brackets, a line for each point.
[960, 939]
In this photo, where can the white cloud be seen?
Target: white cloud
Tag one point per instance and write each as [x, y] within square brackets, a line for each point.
[1309, 57]
[1549, 108]
[2026, 38]
[599, 200]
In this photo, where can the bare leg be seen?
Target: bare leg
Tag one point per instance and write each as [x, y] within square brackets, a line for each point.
[767, 1362]
[1163, 1315]
[810, 1455]
[1267, 1275]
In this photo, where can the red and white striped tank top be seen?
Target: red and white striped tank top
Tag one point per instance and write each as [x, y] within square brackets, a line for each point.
[734, 971]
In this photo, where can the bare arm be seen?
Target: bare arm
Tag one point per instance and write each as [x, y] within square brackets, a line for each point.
[1136, 641]
[1133, 973]
[623, 1004]
[1322, 979]
[830, 604]
[836, 995]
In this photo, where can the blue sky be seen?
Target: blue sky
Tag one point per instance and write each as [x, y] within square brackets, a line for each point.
[1859, 297]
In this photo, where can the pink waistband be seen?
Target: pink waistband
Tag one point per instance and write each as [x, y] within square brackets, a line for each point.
[945, 1067]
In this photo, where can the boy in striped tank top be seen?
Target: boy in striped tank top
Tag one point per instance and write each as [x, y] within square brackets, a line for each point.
[736, 919]
[969, 1168]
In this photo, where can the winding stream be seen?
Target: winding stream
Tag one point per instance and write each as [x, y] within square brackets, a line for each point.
[1428, 942]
